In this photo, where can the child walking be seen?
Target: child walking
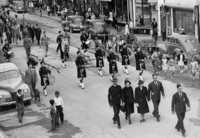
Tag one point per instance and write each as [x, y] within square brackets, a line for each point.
[53, 116]
[171, 66]
[194, 68]
[164, 66]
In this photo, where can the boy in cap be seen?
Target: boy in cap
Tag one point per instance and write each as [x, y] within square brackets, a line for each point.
[179, 102]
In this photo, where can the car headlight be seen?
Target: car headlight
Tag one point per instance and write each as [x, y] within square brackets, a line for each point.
[1, 96]
[25, 88]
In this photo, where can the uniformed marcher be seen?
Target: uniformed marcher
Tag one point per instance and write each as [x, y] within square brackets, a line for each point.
[99, 60]
[140, 63]
[44, 73]
[125, 58]
[112, 57]
[84, 38]
[115, 100]
[38, 33]
[6, 48]
[81, 71]
[179, 102]
[59, 41]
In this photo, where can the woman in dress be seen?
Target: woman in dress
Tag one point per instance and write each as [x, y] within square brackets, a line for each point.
[141, 97]
[181, 58]
[194, 67]
[128, 99]
[164, 66]
[20, 105]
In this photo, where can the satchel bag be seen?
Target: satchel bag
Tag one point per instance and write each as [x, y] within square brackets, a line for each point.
[122, 108]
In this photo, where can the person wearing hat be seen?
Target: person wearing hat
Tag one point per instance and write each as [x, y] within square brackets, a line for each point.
[128, 100]
[141, 96]
[84, 37]
[31, 78]
[179, 102]
[125, 58]
[99, 59]
[38, 33]
[154, 24]
[114, 100]
[20, 105]
[112, 57]
[44, 73]
[155, 89]
[81, 71]
[140, 63]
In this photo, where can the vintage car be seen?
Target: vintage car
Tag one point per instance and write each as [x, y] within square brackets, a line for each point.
[140, 34]
[177, 42]
[19, 6]
[4, 3]
[73, 23]
[10, 81]
[96, 28]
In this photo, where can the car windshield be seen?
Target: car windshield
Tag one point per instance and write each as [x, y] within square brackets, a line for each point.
[8, 75]
[78, 20]
[141, 31]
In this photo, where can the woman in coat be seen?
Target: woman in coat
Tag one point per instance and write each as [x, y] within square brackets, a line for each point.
[140, 63]
[20, 105]
[141, 96]
[128, 99]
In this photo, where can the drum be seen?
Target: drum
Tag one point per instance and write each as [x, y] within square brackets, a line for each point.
[11, 54]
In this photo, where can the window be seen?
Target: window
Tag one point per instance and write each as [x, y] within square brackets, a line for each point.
[12, 74]
[173, 40]
[183, 19]
[178, 42]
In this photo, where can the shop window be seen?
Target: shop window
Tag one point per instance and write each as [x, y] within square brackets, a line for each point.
[183, 19]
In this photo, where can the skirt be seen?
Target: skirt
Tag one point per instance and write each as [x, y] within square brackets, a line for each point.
[164, 67]
[129, 108]
[171, 68]
[113, 68]
[180, 63]
[125, 61]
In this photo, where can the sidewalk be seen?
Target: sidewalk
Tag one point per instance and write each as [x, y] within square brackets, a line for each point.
[2, 134]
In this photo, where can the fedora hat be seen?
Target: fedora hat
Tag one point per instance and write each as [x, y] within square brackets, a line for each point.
[140, 82]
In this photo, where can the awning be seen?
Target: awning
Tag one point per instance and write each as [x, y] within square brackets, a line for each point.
[180, 6]
[153, 2]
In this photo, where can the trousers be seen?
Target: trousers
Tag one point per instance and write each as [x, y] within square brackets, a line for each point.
[180, 124]
[156, 110]
[116, 109]
[60, 114]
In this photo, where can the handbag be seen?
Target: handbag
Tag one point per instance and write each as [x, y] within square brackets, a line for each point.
[122, 108]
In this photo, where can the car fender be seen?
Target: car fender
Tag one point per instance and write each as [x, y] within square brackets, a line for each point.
[176, 52]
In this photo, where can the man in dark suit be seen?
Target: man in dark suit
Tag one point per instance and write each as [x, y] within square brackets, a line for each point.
[154, 24]
[114, 100]
[155, 89]
[179, 102]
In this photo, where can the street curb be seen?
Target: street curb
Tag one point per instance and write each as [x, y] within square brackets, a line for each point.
[2, 134]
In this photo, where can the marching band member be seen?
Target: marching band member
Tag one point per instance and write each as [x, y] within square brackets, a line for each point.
[125, 59]
[64, 44]
[44, 72]
[140, 64]
[99, 60]
[112, 63]
[120, 44]
[81, 71]
[84, 38]
[6, 48]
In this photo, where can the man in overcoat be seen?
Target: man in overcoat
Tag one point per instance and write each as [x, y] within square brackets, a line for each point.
[31, 78]
[155, 89]
[179, 102]
[38, 33]
[114, 100]
[27, 45]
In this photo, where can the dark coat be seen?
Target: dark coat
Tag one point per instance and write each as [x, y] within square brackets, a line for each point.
[179, 103]
[99, 58]
[128, 99]
[154, 25]
[112, 63]
[139, 63]
[81, 71]
[44, 71]
[125, 57]
[141, 97]
[83, 39]
[155, 90]
[114, 95]
[38, 33]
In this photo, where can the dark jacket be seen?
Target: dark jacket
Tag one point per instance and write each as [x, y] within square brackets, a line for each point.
[114, 95]
[178, 57]
[155, 90]
[127, 95]
[179, 103]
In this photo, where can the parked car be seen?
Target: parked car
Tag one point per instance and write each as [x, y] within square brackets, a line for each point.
[96, 28]
[177, 42]
[73, 23]
[20, 6]
[4, 3]
[10, 81]
[140, 34]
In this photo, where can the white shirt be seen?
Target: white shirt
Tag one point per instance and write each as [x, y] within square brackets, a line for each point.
[58, 101]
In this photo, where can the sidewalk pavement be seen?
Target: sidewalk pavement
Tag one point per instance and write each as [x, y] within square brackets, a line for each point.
[109, 26]
[2, 134]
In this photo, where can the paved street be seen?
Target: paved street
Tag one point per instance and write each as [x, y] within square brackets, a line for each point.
[87, 113]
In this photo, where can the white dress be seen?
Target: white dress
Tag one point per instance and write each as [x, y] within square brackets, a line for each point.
[164, 64]
[194, 66]
[110, 16]
[180, 62]
[126, 29]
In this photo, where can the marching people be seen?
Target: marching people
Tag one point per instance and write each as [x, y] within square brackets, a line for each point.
[140, 63]
[59, 106]
[181, 59]
[17, 35]
[38, 33]
[99, 60]
[112, 57]
[59, 41]
[141, 96]
[45, 41]
[128, 100]
[164, 66]
[31, 79]
[32, 33]
[44, 73]
[155, 89]
[171, 66]
[178, 105]
[27, 45]
[84, 37]
[20, 105]
[125, 58]
[81, 71]
[114, 100]
[53, 116]
[6, 48]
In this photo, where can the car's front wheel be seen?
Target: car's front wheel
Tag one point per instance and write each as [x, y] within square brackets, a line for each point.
[29, 102]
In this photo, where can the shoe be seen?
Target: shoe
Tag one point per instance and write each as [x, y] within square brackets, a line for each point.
[183, 134]
[143, 120]
[114, 122]
[82, 85]
[119, 127]
[79, 84]
[130, 122]
[101, 74]
[45, 92]
[63, 65]
[158, 120]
